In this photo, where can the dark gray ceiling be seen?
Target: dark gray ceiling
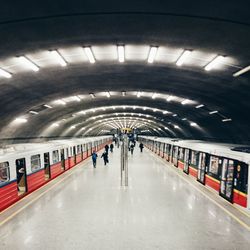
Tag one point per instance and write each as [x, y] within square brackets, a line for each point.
[212, 27]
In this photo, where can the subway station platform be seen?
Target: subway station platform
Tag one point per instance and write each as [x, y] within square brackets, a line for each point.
[86, 208]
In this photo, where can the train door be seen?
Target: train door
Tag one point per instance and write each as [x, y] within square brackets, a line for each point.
[163, 149]
[171, 153]
[186, 161]
[46, 166]
[62, 159]
[21, 176]
[227, 178]
[175, 156]
[202, 167]
[74, 154]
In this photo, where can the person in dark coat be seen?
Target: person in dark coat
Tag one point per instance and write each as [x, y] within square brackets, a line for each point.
[105, 157]
[107, 148]
[94, 157]
[141, 146]
[132, 148]
[111, 147]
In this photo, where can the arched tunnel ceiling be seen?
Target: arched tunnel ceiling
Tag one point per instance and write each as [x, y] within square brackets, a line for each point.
[207, 29]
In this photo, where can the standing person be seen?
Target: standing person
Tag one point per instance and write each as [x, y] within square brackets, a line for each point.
[105, 157]
[141, 146]
[132, 148]
[94, 157]
[111, 147]
[107, 148]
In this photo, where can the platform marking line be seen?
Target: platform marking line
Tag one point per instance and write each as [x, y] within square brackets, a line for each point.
[215, 202]
[36, 198]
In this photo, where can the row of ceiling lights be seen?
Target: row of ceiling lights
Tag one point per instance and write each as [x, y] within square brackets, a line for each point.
[57, 56]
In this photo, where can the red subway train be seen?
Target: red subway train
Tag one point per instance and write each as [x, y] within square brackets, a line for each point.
[26, 167]
[222, 167]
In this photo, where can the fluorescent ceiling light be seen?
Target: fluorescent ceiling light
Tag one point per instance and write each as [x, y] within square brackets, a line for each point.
[89, 54]
[21, 120]
[138, 94]
[227, 120]
[108, 94]
[5, 73]
[183, 57]
[123, 93]
[242, 71]
[174, 115]
[193, 124]
[33, 112]
[154, 96]
[213, 112]
[47, 106]
[184, 119]
[29, 63]
[55, 124]
[185, 101]
[92, 95]
[165, 112]
[61, 102]
[121, 53]
[175, 126]
[214, 63]
[152, 54]
[169, 98]
[77, 98]
[73, 127]
[59, 58]
[199, 106]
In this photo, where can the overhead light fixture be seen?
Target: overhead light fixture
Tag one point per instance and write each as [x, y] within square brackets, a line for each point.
[33, 112]
[227, 120]
[186, 101]
[174, 115]
[154, 96]
[124, 107]
[73, 127]
[103, 109]
[175, 126]
[92, 95]
[47, 106]
[164, 112]
[139, 94]
[242, 71]
[199, 106]
[217, 60]
[108, 94]
[123, 93]
[213, 112]
[134, 107]
[193, 124]
[21, 120]
[169, 98]
[121, 53]
[5, 73]
[28, 63]
[77, 98]
[183, 57]
[61, 102]
[89, 54]
[152, 54]
[55, 124]
[59, 58]
[184, 119]
[154, 110]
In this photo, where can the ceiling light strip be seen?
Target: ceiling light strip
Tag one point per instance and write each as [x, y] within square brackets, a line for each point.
[59, 58]
[183, 57]
[89, 54]
[216, 61]
[5, 73]
[26, 61]
[121, 53]
[242, 71]
[152, 54]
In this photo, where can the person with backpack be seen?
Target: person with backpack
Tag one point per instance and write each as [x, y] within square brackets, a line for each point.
[105, 157]
[94, 158]
[111, 147]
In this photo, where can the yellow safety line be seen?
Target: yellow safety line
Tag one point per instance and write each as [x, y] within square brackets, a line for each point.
[36, 198]
[215, 202]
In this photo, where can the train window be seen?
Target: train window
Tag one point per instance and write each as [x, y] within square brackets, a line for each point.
[35, 162]
[214, 165]
[181, 153]
[55, 156]
[78, 149]
[194, 158]
[4, 172]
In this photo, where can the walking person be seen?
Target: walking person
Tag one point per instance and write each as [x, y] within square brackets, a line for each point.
[132, 148]
[94, 158]
[105, 157]
[141, 146]
[107, 148]
[111, 147]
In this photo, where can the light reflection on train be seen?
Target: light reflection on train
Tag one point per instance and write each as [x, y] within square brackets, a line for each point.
[218, 166]
[26, 167]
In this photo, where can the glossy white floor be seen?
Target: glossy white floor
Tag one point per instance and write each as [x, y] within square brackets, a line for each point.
[87, 209]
